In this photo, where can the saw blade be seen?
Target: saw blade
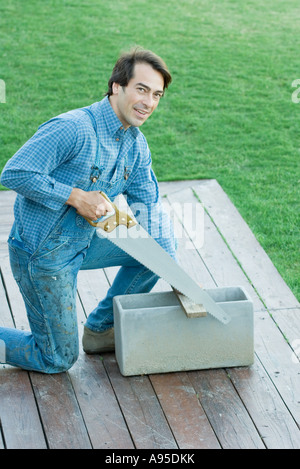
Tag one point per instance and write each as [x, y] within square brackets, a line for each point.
[136, 242]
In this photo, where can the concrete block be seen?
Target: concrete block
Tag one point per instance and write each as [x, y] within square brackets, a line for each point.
[153, 334]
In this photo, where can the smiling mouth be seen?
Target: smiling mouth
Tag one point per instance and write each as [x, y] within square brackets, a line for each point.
[142, 112]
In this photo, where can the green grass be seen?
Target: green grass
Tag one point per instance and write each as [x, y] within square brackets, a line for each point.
[228, 114]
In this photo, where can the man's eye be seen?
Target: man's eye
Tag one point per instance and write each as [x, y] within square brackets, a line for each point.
[141, 89]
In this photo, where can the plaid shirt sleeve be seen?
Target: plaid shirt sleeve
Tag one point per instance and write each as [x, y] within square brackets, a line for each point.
[28, 172]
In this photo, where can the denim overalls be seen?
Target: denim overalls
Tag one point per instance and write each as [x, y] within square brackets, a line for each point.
[48, 281]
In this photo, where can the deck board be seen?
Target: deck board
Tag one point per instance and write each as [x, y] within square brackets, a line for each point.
[141, 408]
[187, 418]
[267, 409]
[226, 411]
[253, 259]
[94, 406]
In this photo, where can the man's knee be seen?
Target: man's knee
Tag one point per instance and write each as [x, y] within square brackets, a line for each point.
[62, 361]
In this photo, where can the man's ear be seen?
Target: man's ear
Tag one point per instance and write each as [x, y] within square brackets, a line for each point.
[115, 88]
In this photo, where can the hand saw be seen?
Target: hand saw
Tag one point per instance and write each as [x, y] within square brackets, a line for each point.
[131, 237]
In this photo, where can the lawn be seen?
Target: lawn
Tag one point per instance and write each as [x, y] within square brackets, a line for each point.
[229, 113]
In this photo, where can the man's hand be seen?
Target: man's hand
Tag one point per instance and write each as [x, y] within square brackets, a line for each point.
[91, 205]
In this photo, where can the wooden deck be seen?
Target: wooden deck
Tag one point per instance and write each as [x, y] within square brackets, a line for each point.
[94, 406]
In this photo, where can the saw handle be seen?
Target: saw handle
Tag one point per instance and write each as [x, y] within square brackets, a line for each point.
[112, 219]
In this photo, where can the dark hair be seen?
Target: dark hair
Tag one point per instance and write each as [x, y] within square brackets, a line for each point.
[124, 67]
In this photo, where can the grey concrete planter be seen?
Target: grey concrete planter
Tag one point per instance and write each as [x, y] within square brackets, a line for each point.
[153, 334]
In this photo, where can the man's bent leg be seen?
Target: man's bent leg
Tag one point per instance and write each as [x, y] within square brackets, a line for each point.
[50, 300]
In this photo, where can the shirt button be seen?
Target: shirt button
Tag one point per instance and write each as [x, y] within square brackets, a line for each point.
[94, 179]
[117, 139]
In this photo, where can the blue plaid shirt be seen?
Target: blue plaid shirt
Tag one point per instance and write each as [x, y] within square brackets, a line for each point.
[76, 149]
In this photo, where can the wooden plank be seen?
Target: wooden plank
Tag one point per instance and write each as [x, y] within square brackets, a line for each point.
[141, 409]
[3, 249]
[255, 262]
[191, 309]
[18, 411]
[5, 317]
[288, 321]
[61, 416]
[15, 298]
[185, 414]
[225, 411]
[1, 439]
[103, 418]
[191, 261]
[99, 407]
[169, 187]
[8, 198]
[5, 226]
[92, 287]
[269, 413]
[277, 358]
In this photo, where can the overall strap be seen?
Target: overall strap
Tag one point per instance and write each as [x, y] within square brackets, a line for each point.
[91, 115]
[93, 120]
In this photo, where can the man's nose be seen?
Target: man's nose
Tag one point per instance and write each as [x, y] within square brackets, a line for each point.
[148, 100]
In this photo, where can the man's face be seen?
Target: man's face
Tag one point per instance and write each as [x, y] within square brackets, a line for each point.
[134, 103]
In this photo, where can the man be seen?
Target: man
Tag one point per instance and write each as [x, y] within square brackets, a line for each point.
[58, 175]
